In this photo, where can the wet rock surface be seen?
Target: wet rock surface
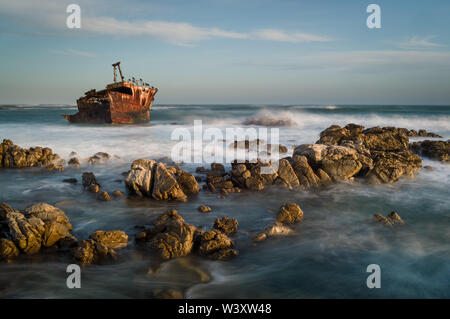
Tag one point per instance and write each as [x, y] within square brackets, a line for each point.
[226, 225]
[437, 150]
[13, 156]
[170, 237]
[392, 219]
[38, 226]
[153, 179]
[100, 247]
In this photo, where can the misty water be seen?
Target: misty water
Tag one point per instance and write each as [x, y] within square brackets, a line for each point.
[326, 256]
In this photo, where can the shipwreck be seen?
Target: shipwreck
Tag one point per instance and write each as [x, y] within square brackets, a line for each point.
[123, 102]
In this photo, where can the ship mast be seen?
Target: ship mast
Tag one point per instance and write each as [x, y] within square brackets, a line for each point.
[117, 64]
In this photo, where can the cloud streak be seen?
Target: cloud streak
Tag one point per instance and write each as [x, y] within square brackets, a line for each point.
[419, 42]
[74, 52]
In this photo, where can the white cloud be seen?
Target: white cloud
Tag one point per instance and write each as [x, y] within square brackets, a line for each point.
[292, 37]
[73, 52]
[49, 17]
[419, 42]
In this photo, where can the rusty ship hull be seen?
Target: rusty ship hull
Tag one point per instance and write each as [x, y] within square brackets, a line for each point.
[120, 103]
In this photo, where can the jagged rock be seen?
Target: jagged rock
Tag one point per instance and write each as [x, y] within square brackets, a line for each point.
[289, 214]
[254, 183]
[7, 249]
[437, 150]
[101, 246]
[217, 167]
[188, 183]
[275, 230]
[421, 133]
[13, 156]
[226, 225]
[287, 174]
[94, 188]
[215, 244]
[392, 219]
[165, 186]
[204, 209]
[139, 179]
[170, 236]
[390, 166]
[306, 176]
[40, 225]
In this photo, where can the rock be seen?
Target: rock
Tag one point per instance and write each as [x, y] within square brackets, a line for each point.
[188, 183]
[215, 244]
[269, 121]
[89, 179]
[392, 219]
[217, 167]
[200, 170]
[428, 168]
[117, 194]
[390, 166]
[165, 186]
[226, 225]
[70, 180]
[111, 239]
[170, 236]
[167, 294]
[437, 150]
[94, 188]
[13, 156]
[40, 225]
[103, 196]
[306, 176]
[100, 247]
[74, 162]
[421, 133]
[139, 178]
[98, 158]
[254, 183]
[204, 209]
[287, 174]
[289, 214]
[275, 230]
[7, 249]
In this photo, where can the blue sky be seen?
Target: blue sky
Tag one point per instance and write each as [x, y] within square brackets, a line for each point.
[229, 51]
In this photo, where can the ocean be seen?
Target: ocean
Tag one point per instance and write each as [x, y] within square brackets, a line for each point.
[327, 255]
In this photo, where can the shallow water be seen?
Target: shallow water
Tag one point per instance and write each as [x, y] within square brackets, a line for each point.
[326, 256]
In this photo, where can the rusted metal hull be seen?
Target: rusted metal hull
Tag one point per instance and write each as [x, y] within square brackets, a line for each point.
[120, 103]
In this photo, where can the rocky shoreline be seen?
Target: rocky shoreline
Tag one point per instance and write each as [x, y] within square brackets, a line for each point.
[351, 153]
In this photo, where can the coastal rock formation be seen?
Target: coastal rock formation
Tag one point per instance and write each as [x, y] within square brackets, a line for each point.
[40, 225]
[215, 244]
[98, 158]
[170, 237]
[204, 209]
[153, 179]
[74, 162]
[392, 219]
[437, 150]
[101, 246]
[287, 214]
[13, 156]
[226, 225]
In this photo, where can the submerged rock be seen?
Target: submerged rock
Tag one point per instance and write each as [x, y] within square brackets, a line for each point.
[392, 219]
[215, 244]
[204, 209]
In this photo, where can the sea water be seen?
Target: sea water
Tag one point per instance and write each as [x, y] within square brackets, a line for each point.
[327, 255]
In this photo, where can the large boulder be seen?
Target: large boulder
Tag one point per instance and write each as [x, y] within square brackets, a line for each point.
[40, 225]
[154, 179]
[170, 236]
[226, 225]
[390, 166]
[286, 174]
[8, 249]
[139, 178]
[306, 176]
